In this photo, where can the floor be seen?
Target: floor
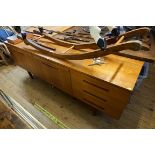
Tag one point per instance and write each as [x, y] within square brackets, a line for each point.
[9, 119]
[139, 113]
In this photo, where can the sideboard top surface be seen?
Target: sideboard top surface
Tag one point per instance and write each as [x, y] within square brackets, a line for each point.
[117, 70]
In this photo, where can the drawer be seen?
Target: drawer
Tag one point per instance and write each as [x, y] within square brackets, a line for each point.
[106, 97]
[98, 87]
[104, 88]
[103, 100]
[102, 105]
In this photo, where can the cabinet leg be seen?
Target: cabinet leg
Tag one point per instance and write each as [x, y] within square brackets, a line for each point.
[94, 112]
[30, 74]
[52, 86]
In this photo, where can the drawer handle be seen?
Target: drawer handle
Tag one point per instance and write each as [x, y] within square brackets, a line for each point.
[94, 95]
[18, 53]
[49, 66]
[96, 85]
[93, 103]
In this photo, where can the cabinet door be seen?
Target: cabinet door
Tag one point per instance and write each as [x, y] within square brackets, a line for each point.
[51, 72]
[65, 79]
[57, 75]
[35, 66]
[19, 58]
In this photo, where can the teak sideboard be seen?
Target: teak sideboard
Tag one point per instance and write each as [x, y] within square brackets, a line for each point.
[106, 87]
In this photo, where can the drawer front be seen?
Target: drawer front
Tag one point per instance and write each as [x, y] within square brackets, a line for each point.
[102, 104]
[104, 88]
[108, 98]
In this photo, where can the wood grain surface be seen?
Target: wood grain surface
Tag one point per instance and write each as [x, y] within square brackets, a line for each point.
[118, 75]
